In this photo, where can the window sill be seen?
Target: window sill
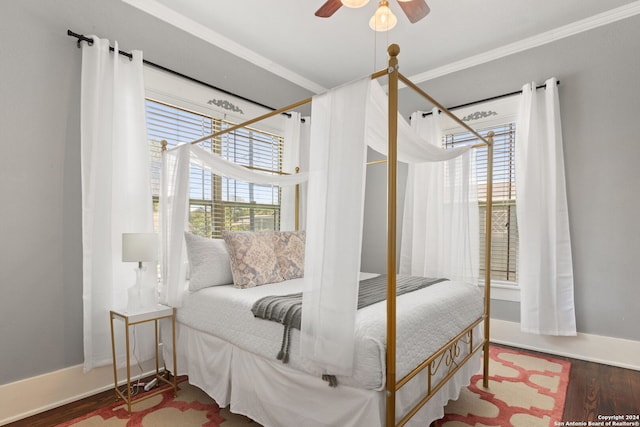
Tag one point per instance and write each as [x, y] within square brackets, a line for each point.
[503, 291]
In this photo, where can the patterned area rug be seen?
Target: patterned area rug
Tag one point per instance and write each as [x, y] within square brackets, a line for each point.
[524, 390]
[192, 407]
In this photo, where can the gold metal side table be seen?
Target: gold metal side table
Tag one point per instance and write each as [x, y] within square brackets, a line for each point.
[132, 318]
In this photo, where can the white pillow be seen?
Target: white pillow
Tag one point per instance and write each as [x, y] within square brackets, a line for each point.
[209, 263]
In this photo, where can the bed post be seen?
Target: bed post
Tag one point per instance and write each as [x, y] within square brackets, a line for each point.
[487, 260]
[392, 158]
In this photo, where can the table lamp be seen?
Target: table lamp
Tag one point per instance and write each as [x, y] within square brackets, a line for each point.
[140, 247]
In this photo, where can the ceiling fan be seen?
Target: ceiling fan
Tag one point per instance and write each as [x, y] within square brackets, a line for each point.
[414, 9]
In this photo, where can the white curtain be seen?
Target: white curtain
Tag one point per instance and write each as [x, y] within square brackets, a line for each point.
[174, 207]
[344, 121]
[334, 227]
[545, 272]
[305, 137]
[412, 147]
[290, 160]
[440, 226]
[116, 196]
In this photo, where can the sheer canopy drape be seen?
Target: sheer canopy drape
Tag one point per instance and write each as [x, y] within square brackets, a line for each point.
[545, 269]
[334, 227]
[116, 196]
[291, 159]
[174, 206]
[440, 226]
[344, 121]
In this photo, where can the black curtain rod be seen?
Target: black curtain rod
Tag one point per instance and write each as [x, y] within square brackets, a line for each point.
[493, 98]
[81, 38]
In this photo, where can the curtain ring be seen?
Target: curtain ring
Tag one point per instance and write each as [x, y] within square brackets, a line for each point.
[83, 39]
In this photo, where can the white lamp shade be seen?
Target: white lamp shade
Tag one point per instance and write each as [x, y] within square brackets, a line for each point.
[138, 247]
[354, 3]
[384, 19]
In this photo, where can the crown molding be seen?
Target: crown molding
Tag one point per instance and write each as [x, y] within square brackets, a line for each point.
[153, 8]
[180, 21]
[568, 30]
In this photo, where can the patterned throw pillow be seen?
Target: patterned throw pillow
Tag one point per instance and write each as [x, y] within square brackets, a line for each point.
[253, 259]
[209, 263]
[289, 246]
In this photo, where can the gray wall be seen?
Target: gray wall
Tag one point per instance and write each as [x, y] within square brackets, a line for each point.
[600, 102]
[40, 212]
[40, 253]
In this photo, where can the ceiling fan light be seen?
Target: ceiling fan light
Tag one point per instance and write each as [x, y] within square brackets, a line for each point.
[354, 3]
[384, 19]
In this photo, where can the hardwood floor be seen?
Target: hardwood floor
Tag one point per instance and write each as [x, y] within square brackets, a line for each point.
[67, 412]
[594, 389]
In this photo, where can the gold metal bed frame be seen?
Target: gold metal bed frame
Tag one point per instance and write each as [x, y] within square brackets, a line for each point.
[450, 352]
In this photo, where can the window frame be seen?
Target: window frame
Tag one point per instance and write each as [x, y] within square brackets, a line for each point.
[190, 96]
[480, 116]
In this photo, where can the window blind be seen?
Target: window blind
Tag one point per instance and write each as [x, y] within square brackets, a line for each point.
[504, 231]
[218, 203]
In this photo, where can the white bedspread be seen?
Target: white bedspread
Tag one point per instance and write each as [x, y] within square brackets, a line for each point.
[427, 319]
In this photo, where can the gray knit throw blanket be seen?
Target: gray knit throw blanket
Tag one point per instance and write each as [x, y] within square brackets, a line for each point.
[287, 309]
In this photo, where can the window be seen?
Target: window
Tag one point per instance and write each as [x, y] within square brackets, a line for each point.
[504, 225]
[218, 203]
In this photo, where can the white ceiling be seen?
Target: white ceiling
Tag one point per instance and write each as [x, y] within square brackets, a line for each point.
[286, 38]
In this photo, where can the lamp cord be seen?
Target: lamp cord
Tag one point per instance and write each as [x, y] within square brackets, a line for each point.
[136, 387]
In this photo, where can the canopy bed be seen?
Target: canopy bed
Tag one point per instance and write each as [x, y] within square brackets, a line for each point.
[396, 362]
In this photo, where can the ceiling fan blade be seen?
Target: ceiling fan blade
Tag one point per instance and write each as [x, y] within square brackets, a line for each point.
[329, 8]
[414, 9]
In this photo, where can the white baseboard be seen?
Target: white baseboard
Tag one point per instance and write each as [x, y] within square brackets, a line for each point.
[593, 348]
[31, 396]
